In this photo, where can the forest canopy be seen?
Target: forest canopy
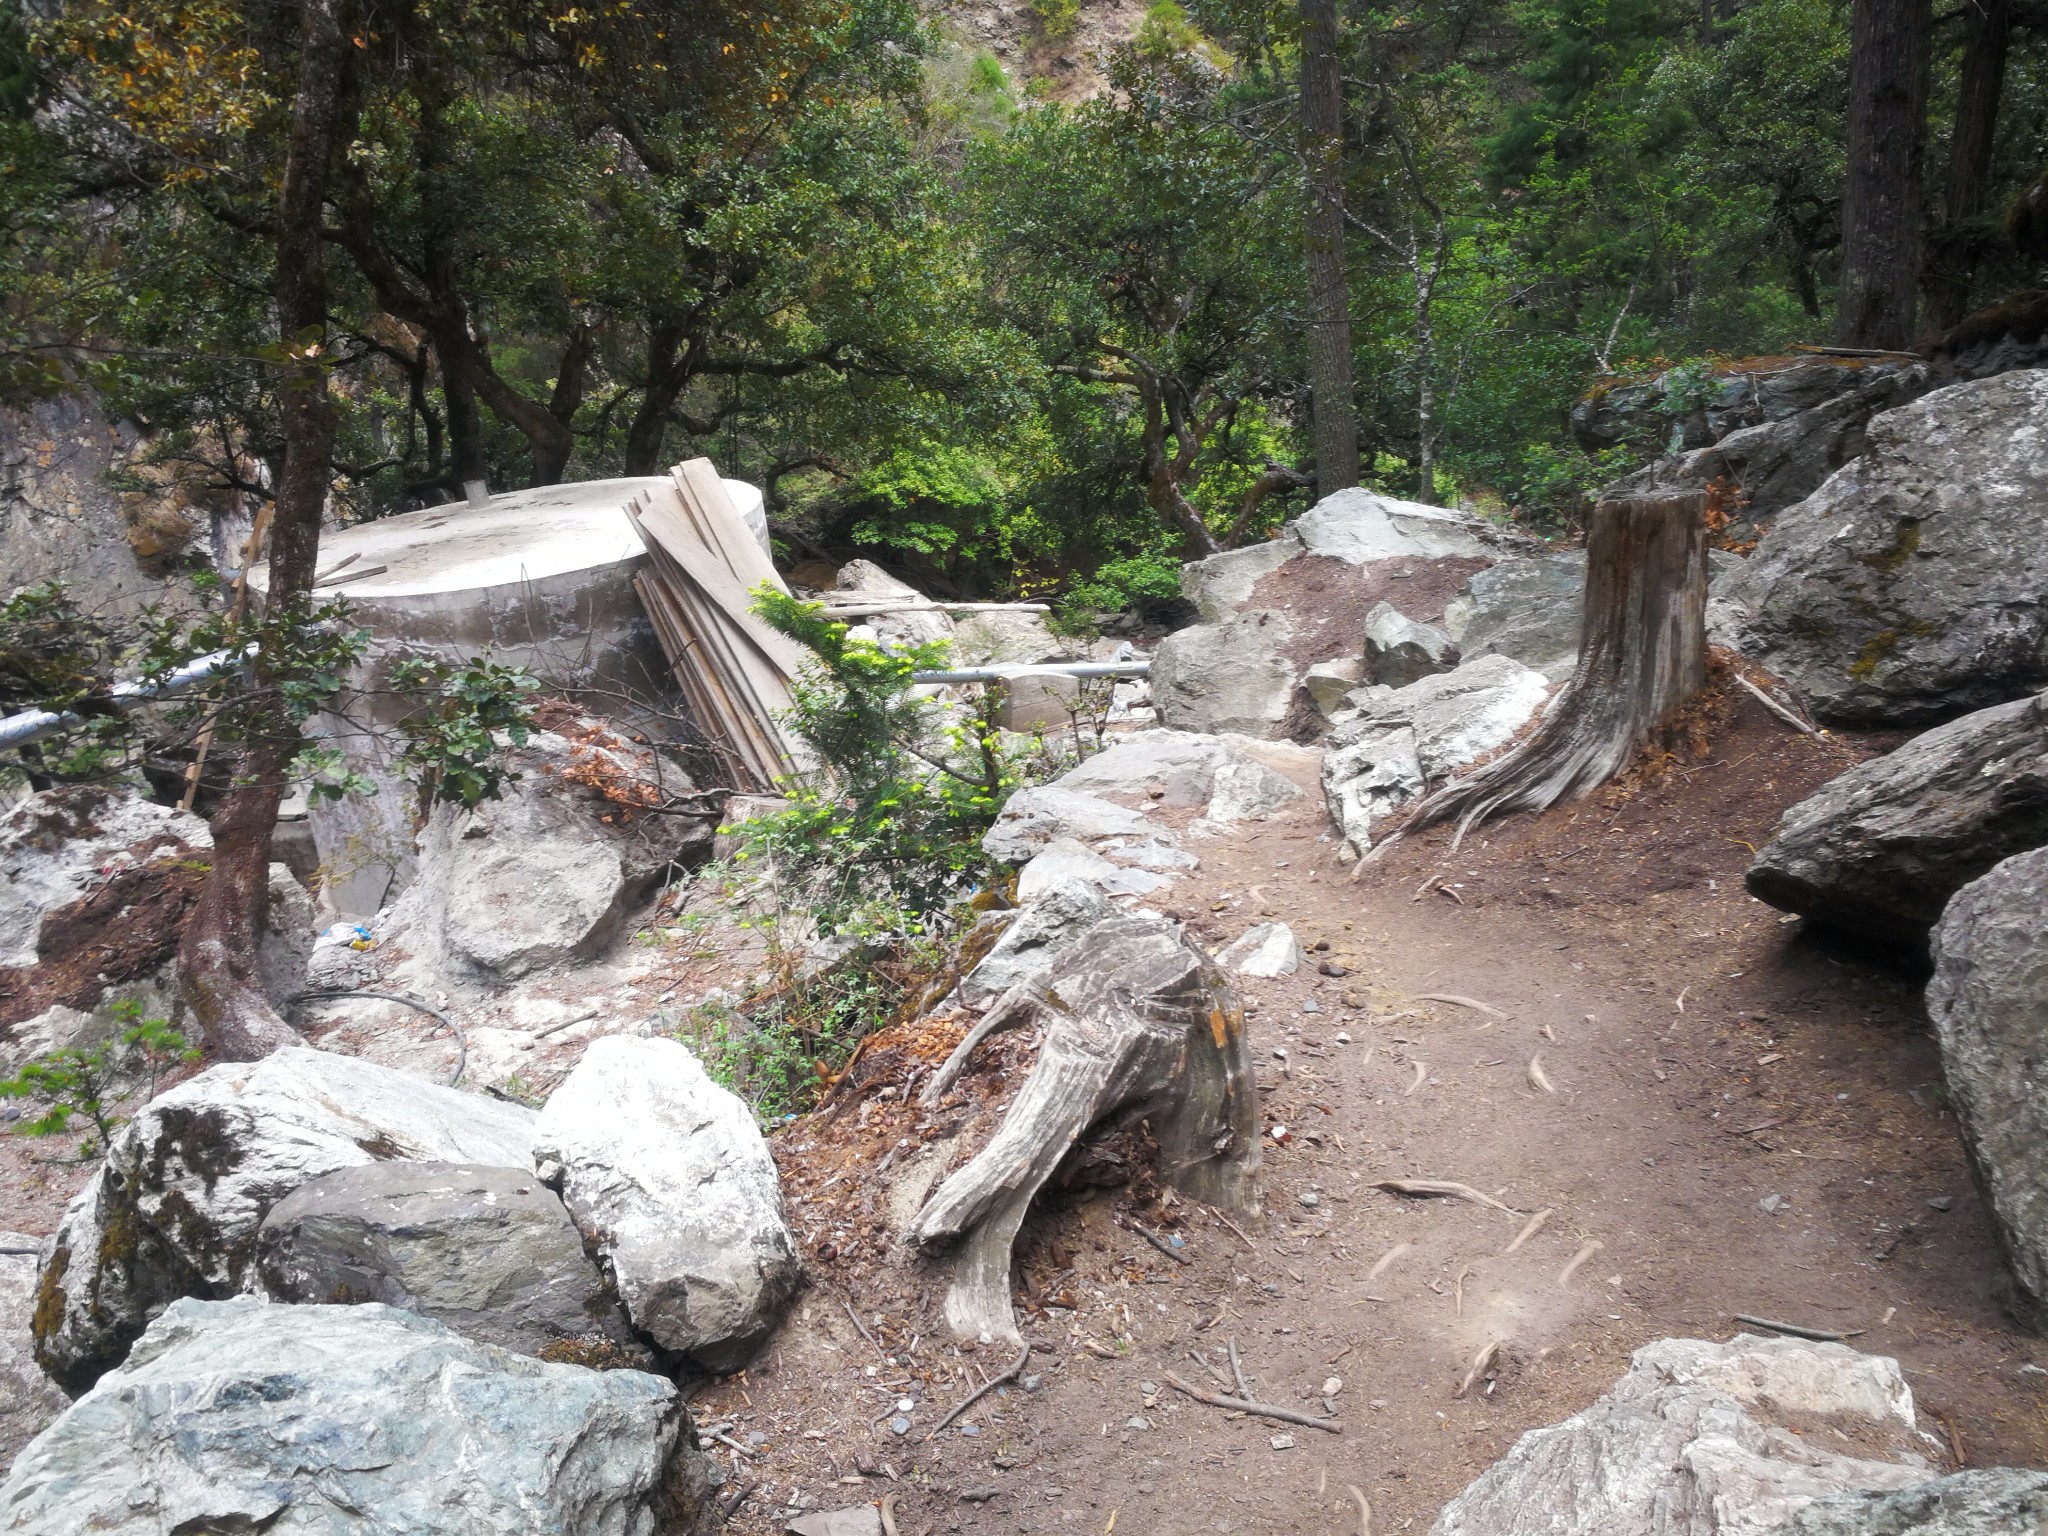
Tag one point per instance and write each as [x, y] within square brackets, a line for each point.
[1004, 334]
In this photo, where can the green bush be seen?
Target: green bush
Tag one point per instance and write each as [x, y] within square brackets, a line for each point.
[1056, 19]
[72, 1082]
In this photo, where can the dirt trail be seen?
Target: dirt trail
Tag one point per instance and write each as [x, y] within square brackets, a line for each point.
[1706, 1056]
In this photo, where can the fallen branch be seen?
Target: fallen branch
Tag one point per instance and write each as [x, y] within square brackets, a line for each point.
[729, 1505]
[1537, 1076]
[1244, 1388]
[1818, 1335]
[1535, 1225]
[1364, 1511]
[983, 1391]
[1387, 1258]
[1157, 1241]
[1460, 1002]
[1479, 1363]
[854, 1318]
[1591, 1247]
[1774, 706]
[1430, 1189]
[889, 1514]
[1256, 1410]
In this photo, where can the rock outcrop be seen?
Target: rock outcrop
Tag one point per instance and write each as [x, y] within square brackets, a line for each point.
[1910, 587]
[669, 1180]
[1231, 676]
[175, 1208]
[28, 1402]
[1396, 742]
[1989, 1003]
[1527, 609]
[491, 1252]
[1988, 1501]
[303, 1421]
[1880, 850]
[1701, 1438]
[546, 874]
[1399, 651]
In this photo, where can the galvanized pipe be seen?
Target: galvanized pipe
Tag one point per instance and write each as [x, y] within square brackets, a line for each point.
[34, 724]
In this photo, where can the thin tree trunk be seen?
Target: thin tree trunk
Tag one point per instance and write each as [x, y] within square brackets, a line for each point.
[217, 953]
[1425, 392]
[1162, 483]
[658, 391]
[1960, 247]
[1329, 289]
[1642, 658]
[1889, 58]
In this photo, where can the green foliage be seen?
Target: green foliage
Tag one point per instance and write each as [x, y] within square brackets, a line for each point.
[451, 740]
[778, 1049]
[84, 1082]
[1116, 584]
[1056, 19]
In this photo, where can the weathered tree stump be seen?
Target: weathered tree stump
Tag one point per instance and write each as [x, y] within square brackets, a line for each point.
[1138, 1024]
[1642, 658]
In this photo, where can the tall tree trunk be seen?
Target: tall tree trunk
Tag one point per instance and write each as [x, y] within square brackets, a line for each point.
[1642, 658]
[1425, 391]
[217, 953]
[658, 391]
[1963, 240]
[1329, 288]
[1162, 477]
[572, 379]
[1889, 48]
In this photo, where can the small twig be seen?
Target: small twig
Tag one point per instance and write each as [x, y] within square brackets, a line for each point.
[1537, 1076]
[1818, 1335]
[724, 1439]
[854, 1318]
[889, 1514]
[1241, 1237]
[1479, 1363]
[1460, 1002]
[1256, 1410]
[1222, 1380]
[1237, 1371]
[1535, 1225]
[1217, 1318]
[1775, 707]
[1387, 1258]
[1421, 1077]
[570, 1023]
[983, 1391]
[729, 1505]
[1364, 1511]
[1157, 1241]
[1425, 888]
[1586, 1251]
[1427, 1189]
[1458, 1298]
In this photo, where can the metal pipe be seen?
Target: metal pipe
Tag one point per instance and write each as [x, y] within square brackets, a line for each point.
[34, 724]
[1010, 671]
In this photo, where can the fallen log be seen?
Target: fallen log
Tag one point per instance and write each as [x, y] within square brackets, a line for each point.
[1137, 1024]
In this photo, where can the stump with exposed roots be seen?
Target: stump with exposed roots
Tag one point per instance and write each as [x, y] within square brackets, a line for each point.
[1138, 1024]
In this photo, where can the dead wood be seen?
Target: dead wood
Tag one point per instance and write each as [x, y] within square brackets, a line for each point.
[1256, 1410]
[1534, 1226]
[1460, 1002]
[1480, 1362]
[1426, 1189]
[982, 1391]
[1137, 1023]
[1642, 658]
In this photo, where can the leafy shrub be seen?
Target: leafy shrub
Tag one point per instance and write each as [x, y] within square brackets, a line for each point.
[74, 1082]
[1116, 584]
[1056, 19]
[451, 748]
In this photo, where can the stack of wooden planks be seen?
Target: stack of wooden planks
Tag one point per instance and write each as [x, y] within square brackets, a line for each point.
[734, 670]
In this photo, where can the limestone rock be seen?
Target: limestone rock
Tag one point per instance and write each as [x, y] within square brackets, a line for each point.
[1879, 850]
[1399, 651]
[490, 1252]
[894, 630]
[1247, 790]
[1528, 608]
[1989, 1501]
[548, 873]
[1690, 1443]
[1328, 682]
[667, 1176]
[28, 1403]
[1032, 945]
[1232, 676]
[305, 1421]
[1989, 1004]
[284, 949]
[175, 1208]
[980, 639]
[1265, 950]
[1399, 741]
[1033, 817]
[59, 844]
[1180, 765]
[1060, 861]
[1222, 584]
[858, 1520]
[1907, 589]
[1357, 526]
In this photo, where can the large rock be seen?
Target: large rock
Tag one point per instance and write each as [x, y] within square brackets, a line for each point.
[28, 1402]
[864, 578]
[175, 1208]
[237, 1416]
[1908, 588]
[1358, 526]
[1696, 1440]
[491, 1252]
[1222, 584]
[1989, 1501]
[63, 843]
[1034, 817]
[1397, 742]
[1002, 636]
[1232, 676]
[668, 1178]
[549, 872]
[1528, 608]
[1035, 940]
[1989, 1003]
[1160, 767]
[1399, 651]
[1879, 850]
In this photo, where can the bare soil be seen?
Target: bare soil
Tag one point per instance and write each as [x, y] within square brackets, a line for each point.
[1326, 599]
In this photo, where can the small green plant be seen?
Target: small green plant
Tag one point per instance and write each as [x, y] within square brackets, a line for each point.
[83, 1082]
[1166, 31]
[1116, 584]
[451, 746]
[1056, 19]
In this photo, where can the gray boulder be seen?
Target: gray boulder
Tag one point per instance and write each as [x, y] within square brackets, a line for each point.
[864, 578]
[58, 845]
[1396, 742]
[1358, 526]
[1879, 850]
[1399, 651]
[1989, 1004]
[548, 873]
[980, 639]
[1035, 940]
[1908, 588]
[1988, 1501]
[1232, 676]
[185, 1186]
[1528, 608]
[1696, 1439]
[1328, 682]
[311, 1421]
[1222, 584]
[1159, 767]
[28, 1402]
[1034, 817]
[668, 1179]
[491, 1252]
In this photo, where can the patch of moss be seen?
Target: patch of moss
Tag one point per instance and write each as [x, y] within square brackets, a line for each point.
[51, 1299]
[1905, 542]
[593, 1353]
[1879, 646]
[199, 1139]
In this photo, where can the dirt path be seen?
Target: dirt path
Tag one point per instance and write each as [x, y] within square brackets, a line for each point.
[1706, 1057]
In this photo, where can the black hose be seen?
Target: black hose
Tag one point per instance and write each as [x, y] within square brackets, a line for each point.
[461, 1040]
